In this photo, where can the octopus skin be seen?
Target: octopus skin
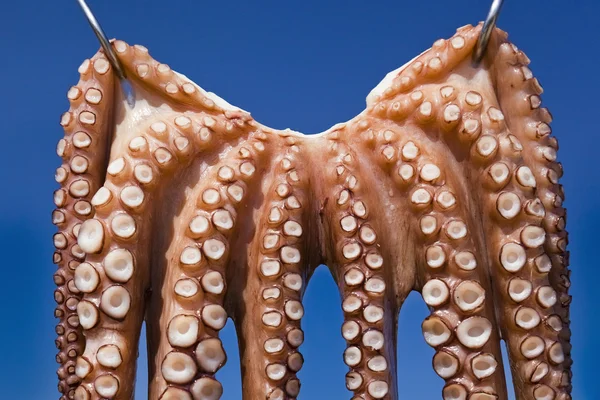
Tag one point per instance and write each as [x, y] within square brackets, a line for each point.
[178, 209]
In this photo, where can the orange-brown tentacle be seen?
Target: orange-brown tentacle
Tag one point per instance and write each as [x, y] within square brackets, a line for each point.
[363, 257]
[88, 128]
[454, 280]
[537, 318]
[203, 247]
[268, 314]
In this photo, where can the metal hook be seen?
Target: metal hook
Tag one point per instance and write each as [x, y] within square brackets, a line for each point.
[108, 50]
[486, 32]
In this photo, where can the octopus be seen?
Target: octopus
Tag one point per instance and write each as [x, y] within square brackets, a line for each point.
[179, 210]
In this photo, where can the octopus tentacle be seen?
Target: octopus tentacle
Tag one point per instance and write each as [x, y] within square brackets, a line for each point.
[112, 308]
[523, 291]
[195, 278]
[456, 284]
[84, 153]
[361, 264]
[193, 292]
[270, 330]
[115, 277]
[535, 299]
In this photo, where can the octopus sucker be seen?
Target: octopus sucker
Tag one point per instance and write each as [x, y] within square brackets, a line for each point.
[180, 209]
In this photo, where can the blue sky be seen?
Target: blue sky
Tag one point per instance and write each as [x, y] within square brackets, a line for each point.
[300, 64]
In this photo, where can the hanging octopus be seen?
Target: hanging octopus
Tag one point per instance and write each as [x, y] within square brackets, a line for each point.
[178, 209]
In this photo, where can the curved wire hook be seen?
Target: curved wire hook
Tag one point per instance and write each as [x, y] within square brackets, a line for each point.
[486, 32]
[104, 42]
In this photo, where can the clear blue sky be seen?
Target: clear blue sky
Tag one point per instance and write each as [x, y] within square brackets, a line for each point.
[300, 64]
